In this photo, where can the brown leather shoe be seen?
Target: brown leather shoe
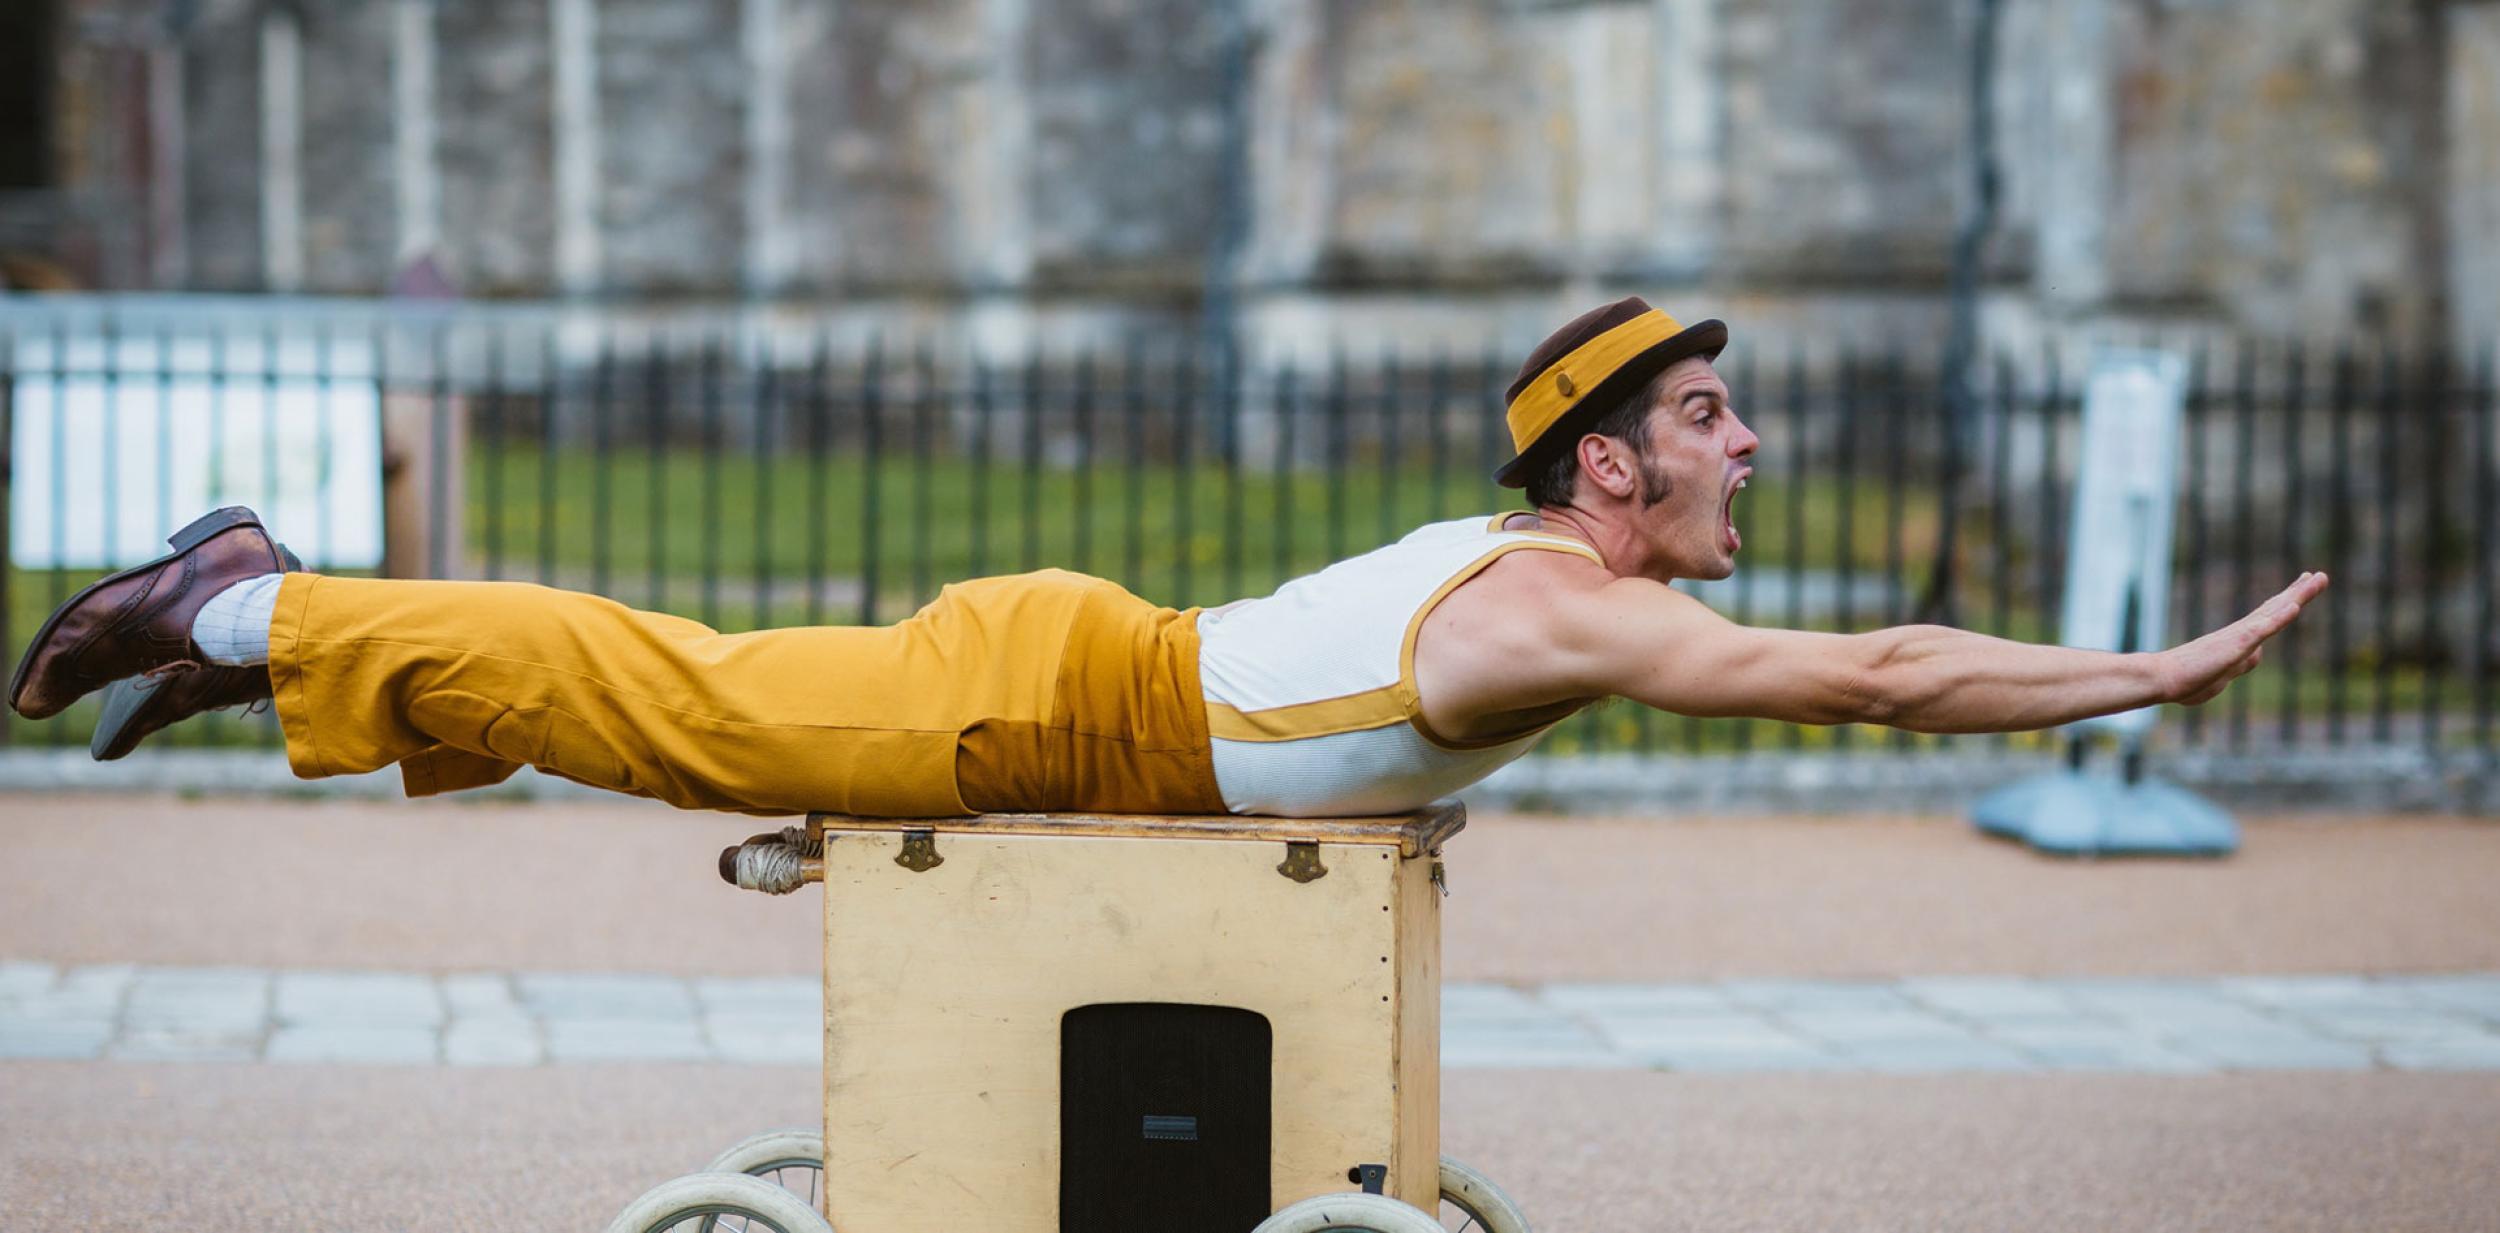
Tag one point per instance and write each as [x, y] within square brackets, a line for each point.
[140, 619]
[138, 706]
[135, 707]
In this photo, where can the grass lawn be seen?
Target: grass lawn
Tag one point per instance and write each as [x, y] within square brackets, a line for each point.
[1178, 535]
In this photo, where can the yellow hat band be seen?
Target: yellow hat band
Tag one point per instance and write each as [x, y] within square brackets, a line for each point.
[1561, 387]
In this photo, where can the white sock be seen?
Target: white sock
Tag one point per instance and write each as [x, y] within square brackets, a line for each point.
[233, 627]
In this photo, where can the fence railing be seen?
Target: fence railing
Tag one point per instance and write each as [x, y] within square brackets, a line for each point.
[753, 471]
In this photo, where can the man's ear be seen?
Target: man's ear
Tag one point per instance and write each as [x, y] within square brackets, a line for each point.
[1608, 463]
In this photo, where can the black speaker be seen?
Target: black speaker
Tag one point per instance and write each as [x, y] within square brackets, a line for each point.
[1163, 1118]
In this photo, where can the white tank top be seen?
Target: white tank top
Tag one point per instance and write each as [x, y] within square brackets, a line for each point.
[1310, 692]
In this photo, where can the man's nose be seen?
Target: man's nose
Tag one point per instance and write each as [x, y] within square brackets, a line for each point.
[1742, 443]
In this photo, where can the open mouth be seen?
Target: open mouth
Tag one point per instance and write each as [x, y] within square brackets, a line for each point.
[1728, 535]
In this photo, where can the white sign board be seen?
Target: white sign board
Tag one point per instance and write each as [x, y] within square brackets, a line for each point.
[2118, 548]
[119, 444]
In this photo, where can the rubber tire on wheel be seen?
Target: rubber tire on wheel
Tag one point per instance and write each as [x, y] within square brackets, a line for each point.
[1474, 1193]
[719, 1194]
[791, 1149]
[772, 1152]
[1354, 1212]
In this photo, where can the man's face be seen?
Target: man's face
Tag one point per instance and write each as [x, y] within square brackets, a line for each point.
[1698, 453]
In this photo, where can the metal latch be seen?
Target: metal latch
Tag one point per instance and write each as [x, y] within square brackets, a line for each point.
[1302, 863]
[1441, 879]
[1373, 1178]
[919, 854]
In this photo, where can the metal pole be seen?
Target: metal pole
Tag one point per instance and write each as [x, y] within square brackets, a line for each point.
[1962, 344]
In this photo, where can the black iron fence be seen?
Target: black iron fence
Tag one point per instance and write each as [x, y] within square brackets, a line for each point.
[761, 470]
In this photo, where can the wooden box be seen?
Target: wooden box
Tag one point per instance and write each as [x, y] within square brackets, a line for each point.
[946, 983]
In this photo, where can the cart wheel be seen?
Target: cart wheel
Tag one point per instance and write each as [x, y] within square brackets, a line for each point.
[732, 1202]
[1475, 1203]
[1353, 1212]
[795, 1161]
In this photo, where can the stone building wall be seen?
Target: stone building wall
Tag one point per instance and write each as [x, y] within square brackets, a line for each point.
[671, 101]
[2270, 165]
[1129, 140]
[883, 130]
[1845, 155]
[2472, 210]
[221, 174]
[351, 223]
[2277, 162]
[1452, 143]
[495, 113]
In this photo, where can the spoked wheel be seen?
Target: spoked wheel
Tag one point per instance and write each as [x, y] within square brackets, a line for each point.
[1471, 1203]
[791, 1159]
[730, 1202]
[1353, 1212]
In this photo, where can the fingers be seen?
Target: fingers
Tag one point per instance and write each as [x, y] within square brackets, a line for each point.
[2270, 617]
[2233, 651]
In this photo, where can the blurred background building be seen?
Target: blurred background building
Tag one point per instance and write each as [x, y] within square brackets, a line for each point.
[1309, 169]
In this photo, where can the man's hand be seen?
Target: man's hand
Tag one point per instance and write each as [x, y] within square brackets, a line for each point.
[2197, 671]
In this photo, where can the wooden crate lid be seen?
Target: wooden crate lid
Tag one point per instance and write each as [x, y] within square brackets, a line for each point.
[1412, 833]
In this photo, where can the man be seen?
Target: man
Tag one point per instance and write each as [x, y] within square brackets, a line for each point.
[1375, 685]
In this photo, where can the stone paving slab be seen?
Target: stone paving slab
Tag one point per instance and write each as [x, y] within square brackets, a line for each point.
[18, 978]
[1932, 1055]
[2475, 995]
[382, 999]
[1992, 1001]
[359, 1043]
[501, 1040]
[57, 1038]
[1811, 995]
[2089, 1047]
[472, 993]
[2378, 1024]
[2441, 1022]
[1636, 1000]
[605, 996]
[626, 1040]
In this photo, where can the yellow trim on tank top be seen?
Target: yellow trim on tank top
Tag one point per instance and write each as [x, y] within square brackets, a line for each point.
[1498, 526]
[1388, 704]
[1372, 708]
[1413, 698]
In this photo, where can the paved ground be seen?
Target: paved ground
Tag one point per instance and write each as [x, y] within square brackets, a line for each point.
[448, 886]
[222, 1148]
[2326, 944]
[1929, 1025]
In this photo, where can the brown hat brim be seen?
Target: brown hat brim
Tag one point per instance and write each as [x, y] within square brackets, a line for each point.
[1702, 338]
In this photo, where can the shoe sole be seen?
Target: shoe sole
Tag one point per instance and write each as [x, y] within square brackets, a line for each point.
[123, 701]
[202, 528]
[127, 699]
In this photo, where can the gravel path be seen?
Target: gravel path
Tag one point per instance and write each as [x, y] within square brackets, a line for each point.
[445, 886]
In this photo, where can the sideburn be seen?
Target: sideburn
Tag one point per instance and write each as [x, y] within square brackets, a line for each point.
[1656, 485]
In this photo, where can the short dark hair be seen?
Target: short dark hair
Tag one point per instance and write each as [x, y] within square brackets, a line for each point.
[1554, 481]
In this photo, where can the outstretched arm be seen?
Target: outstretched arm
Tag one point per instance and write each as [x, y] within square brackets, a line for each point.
[1655, 645]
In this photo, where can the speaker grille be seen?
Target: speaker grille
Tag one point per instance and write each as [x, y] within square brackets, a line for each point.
[1163, 1118]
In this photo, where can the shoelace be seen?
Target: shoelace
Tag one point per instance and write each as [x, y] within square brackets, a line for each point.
[162, 671]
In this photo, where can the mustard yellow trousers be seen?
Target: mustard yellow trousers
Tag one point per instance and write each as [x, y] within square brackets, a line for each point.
[1046, 691]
